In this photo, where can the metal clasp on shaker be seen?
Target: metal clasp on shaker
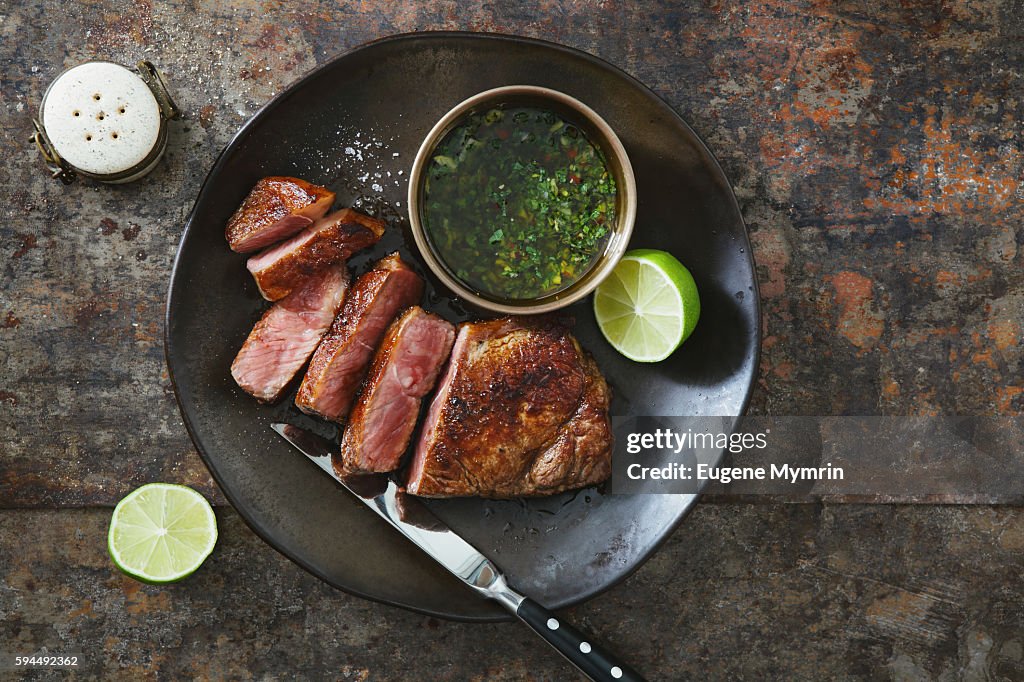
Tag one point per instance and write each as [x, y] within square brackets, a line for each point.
[59, 168]
[155, 80]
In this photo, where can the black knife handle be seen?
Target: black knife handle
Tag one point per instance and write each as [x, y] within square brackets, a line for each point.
[595, 661]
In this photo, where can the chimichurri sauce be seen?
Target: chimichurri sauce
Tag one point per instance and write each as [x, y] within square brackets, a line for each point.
[518, 203]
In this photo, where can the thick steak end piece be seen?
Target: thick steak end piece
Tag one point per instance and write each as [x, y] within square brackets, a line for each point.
[522, 410]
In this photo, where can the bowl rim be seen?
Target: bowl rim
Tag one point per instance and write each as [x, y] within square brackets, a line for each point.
[617, 242]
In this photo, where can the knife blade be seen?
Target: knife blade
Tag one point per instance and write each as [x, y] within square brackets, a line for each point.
[412, 519]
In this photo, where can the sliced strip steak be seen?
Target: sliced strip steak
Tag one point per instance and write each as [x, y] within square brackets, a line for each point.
[276, 208]
[331, 239]
[404, 370]
[339, 364]
[287, 334]
[522, 410]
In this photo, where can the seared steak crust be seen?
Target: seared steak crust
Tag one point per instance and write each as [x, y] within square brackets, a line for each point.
[340, 362]
[331, 239]
[522, 410]
[404, 370]
[287, 334]
[276, 208]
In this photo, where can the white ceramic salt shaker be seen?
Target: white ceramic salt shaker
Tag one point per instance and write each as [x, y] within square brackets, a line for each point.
[104, 121]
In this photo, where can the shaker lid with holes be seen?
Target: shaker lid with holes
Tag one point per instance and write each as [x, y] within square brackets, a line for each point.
[104, 121]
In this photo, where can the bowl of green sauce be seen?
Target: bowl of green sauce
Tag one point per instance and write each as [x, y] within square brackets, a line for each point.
[522, 199]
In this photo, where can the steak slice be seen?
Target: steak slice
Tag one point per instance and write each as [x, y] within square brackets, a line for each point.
[522, 410]
[340, 363]
[404, 370]
[276, 208]
[331, 239]
[287, 334]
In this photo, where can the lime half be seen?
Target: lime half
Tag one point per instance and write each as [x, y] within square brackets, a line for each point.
[161, 532]
[648, 305]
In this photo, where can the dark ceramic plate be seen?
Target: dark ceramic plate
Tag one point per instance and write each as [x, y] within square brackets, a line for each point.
[355, 125]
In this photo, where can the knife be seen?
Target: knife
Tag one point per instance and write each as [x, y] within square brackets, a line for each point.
[413, 520]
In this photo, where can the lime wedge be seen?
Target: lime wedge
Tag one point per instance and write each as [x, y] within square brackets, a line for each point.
[161, 532]
[647, 306]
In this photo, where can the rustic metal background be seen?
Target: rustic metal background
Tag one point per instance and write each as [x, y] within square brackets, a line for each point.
[877, 154]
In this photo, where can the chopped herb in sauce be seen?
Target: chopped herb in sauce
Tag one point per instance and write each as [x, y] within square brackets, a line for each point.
[518, 203]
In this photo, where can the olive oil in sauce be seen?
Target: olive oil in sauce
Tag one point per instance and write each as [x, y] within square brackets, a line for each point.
[518, 203]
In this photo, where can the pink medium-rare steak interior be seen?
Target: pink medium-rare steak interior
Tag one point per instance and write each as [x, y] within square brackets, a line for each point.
[340, 363]
[404, 370]
[287, 334]
[433, 418]
[275, 209]
[331, 239]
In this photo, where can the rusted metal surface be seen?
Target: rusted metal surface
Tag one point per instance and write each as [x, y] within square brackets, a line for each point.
[877, 156]
[743, 592]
